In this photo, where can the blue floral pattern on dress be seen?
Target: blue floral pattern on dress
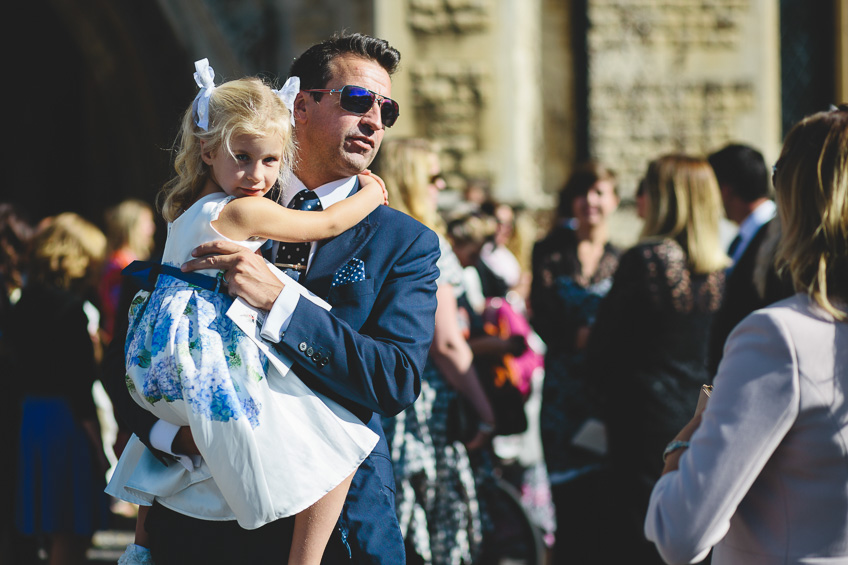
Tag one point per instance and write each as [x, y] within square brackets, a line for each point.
[181, 346]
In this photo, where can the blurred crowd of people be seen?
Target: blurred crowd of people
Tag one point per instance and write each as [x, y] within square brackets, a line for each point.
[60, 277]
[592, 354]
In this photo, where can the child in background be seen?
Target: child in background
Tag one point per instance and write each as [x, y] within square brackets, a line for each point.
[270, 446]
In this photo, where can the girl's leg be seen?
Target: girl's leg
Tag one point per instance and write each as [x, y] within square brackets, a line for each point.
[141, 537]
[138, 552]
[313, 526]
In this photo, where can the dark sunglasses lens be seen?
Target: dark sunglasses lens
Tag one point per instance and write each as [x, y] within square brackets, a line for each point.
[389, 112]
[360, 100]
[356, 99]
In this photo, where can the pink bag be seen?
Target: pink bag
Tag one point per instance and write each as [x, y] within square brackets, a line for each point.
[500, 319]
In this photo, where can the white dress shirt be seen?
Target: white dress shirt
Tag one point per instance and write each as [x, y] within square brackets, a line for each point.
[751, 225]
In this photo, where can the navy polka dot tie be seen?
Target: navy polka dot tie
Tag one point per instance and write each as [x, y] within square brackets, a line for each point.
[292, 257]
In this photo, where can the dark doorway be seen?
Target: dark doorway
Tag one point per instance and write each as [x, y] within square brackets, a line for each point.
[101, 84]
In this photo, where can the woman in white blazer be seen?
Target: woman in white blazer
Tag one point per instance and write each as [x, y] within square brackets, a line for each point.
[761, 476]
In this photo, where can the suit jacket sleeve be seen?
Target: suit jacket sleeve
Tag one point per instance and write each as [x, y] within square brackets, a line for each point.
[374, 365]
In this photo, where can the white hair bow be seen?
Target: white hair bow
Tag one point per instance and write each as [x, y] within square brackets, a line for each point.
[288, 93]
[205, 79]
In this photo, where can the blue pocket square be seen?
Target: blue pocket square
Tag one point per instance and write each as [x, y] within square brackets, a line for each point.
[353, 271]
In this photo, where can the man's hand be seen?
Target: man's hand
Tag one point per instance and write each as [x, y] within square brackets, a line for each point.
[245, 272]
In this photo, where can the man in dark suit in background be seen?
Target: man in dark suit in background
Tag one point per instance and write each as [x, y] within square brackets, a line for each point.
[368, 352]
[746, 193]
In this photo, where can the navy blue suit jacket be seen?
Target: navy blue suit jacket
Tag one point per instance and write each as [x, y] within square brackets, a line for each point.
[368, 353]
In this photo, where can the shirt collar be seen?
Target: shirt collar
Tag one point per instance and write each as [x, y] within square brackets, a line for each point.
[328, 194]
[759, 216]
[752, 224]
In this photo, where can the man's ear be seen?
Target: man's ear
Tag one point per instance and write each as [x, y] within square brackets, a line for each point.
[205, 155]
[300, 107]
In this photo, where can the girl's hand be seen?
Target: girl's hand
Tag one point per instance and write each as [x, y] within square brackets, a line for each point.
[366, 178]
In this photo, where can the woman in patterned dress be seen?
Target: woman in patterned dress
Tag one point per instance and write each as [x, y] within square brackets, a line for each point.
[436, 498]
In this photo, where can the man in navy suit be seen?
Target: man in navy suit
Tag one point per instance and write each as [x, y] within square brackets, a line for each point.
[369, 350]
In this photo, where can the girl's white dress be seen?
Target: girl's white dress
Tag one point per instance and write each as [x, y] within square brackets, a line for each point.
[271, 446]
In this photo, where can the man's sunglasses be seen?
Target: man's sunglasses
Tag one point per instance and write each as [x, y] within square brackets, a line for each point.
[360, 100]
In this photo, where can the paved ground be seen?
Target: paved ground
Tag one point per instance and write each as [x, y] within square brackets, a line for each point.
[109, 545]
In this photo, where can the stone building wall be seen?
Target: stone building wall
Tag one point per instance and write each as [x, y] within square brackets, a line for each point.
[470, 81]
[679, 76]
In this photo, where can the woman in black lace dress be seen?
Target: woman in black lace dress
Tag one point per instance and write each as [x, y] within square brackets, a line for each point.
[648, 346]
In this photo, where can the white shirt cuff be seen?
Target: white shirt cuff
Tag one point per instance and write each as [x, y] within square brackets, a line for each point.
[162, 436]
[278, 318]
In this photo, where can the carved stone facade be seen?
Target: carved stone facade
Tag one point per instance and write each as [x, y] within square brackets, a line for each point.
[514, 91]
[470, 80]
[448, 16]
[496, 83]
[680, 75]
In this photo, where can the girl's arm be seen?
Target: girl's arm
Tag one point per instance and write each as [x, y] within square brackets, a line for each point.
[248, 217]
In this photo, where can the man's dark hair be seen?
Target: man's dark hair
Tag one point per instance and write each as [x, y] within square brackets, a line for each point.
[743, 169]
[313, 66]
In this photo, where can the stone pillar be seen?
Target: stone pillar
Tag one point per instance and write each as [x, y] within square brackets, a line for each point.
[470, 81]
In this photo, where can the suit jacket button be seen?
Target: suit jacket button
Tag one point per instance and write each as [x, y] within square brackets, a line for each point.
[302, 346]
[309, 352]
[322, 362]
[316, 356]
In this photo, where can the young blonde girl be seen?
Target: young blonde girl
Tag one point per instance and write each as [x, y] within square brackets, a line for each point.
[270, 446]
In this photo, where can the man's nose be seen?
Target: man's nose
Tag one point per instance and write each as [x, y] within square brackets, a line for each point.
[372, 117]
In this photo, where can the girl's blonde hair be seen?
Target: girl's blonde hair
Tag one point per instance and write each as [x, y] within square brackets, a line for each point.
[685, 205]
[245, 106]
[67, 252]
[405, 165]
[123, 223]
[811, 183]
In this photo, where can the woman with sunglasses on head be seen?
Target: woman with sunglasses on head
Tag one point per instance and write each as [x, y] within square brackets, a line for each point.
[436, 498]
[761, 475]
[647, 352]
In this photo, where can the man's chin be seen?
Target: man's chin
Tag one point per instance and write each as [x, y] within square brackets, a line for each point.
[359, 161]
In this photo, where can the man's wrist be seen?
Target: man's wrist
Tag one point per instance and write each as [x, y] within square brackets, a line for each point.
[279, 315]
